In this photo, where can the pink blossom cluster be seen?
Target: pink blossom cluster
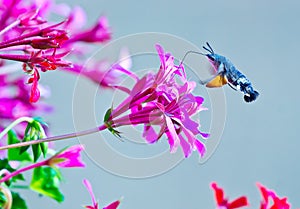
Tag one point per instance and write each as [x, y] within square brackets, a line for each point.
[165, 100]
[27, 36]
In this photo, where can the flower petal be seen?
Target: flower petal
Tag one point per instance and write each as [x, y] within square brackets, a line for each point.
[219, 193]
[34, 93]
[149, 134]
[239, 202]
[69, 157]
[200, 147]
[173, 137]
[186, 147]
[88, 185]
[161, 54]
[113, 205]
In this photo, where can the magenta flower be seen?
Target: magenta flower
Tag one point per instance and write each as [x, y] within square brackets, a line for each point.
[223, 203]
[40, 46]
[160, 100]
[267, 195]
[29, 38]
[69, 157]
[76, 19]
[39, 61]
[31, 18]
[98, 73]
[113, 205]
[99, 33]
[15, 104]
[102, 72]
[88, 185]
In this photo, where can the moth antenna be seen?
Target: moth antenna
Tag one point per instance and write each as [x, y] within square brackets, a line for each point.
[210, 47]
[207, 49]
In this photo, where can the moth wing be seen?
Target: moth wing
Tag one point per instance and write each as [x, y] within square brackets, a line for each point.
[218, 81]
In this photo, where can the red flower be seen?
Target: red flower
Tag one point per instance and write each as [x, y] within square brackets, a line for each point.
[224, 203]
[278, 203]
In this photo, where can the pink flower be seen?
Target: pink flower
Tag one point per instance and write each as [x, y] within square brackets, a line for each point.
[31, 18]
[113, 205]
[90, 190]
[15, 104]
[102, 72]
[39, 61]
[97, 73]
[69, 157]
[161, 100]
[223, 203]
[45, 61]
[28, 37]
[99, 33]
[40, 46]
[278, 203]
[76, 19]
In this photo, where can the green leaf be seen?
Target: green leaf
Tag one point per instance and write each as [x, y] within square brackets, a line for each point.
[18, 201]
[5, 165]
[36, 149]
[107, 115]
[45, 181]
[27, 130]
[109, 123]
[14, 153]
[44, 148]
[23, 149]
[25, 139]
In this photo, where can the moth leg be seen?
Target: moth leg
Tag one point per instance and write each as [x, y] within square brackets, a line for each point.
[232, 86]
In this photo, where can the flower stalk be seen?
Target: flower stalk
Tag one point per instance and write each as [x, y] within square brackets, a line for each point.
[21, 170]
[13, 124]
[55, 138]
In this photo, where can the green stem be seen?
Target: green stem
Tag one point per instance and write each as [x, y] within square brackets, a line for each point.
[55, 138]
[13, 124]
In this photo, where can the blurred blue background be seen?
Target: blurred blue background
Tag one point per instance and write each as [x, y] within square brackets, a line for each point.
[260, 142]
